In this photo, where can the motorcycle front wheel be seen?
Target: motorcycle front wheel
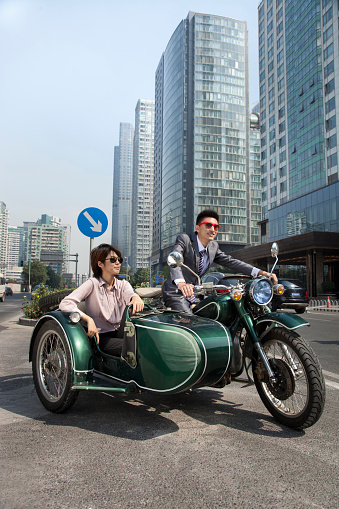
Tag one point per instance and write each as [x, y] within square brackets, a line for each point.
[297, 397]
[52, 368]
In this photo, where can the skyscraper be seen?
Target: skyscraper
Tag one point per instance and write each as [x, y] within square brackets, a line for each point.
[202, 126]
[3, 236]
[299, 101]
[142, 187]
[122, 190]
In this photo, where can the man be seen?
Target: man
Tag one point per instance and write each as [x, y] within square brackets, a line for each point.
[200, 250]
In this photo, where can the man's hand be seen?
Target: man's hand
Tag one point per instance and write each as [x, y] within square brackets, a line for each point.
[137, 304]
[269, 275]
[186, 289]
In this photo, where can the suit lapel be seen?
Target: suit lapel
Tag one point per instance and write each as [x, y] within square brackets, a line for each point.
[194, 241]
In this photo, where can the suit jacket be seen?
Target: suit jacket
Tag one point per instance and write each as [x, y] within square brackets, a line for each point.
[187, 245]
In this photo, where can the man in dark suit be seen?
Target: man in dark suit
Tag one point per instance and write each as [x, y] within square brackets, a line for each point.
[200, 250]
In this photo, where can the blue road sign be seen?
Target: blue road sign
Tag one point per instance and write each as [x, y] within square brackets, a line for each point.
[92, 222]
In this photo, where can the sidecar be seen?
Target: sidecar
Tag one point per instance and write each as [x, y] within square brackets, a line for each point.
[165, 352]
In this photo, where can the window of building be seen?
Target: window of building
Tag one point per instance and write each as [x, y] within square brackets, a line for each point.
[270, 40]
[282, 127]
[281, 98]
[270, 27]
[279, 2]
[282, 142]
[282, 112]
[269, 14]
[332, 160]
[272, 134]
[270, 67]
[330, 105]
[272, 121]
[271, 80]
[262, 76]
[283, 186]
[279, 14]
[328, 34]
[280, 28]
[263, 89]
[280, 69]
[261, 25]
[261, 11]
[329, 87]
[330, 123]
[271, 94]
[327, 16]
[273, 191]
[326, 2]
[329, 69]
[282, 172]
[332, 141]
[328, 52]
[280, 56]
[280, 42]
[281, 84]
[270, 54]
[263, 127]
[271, 108]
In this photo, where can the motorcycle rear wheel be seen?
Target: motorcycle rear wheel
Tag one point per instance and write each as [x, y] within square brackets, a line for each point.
[52, 368]
[297, 399]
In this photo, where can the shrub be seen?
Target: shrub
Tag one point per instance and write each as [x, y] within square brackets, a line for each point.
[31, 308]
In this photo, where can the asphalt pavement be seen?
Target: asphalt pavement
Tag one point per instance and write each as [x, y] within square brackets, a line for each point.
[206, 449]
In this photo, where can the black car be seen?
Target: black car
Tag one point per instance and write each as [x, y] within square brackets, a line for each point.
[295, 296]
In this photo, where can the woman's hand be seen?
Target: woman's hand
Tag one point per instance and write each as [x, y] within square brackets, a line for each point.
[137, 304]
[92, 330]
[186, 289]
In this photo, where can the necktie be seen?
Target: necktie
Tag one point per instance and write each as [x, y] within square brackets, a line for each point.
[201, 261]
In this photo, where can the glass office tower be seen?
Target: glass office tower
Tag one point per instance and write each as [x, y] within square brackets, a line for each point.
[298, 65]
[202, 131]
[122, 190]
[142, 186]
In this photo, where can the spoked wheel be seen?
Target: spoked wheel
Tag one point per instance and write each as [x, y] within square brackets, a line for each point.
[52, 368]
[297, 397]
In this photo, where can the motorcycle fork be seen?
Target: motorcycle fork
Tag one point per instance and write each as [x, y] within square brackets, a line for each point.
[245, 317]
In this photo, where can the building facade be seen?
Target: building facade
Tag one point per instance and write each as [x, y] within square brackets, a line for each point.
[202, 132]
[299, 101]
[122, 190]
[142, 185]
[47, 240]
[3, 236]
[15, 249]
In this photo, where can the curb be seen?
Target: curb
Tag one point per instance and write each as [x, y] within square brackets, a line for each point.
[27, 321]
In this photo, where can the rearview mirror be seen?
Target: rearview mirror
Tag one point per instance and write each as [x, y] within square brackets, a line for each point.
[274, 250]
[175, 260]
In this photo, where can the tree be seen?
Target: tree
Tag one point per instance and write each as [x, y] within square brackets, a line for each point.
[54, 280]
[140, 278]
[38, 273]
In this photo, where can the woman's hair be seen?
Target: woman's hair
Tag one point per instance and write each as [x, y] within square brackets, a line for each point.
[99, 254]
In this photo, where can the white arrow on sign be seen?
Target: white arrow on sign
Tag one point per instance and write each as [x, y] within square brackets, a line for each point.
[97, 226]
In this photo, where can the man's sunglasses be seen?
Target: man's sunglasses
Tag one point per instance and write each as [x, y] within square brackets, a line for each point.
[114, 259]
[210, 225]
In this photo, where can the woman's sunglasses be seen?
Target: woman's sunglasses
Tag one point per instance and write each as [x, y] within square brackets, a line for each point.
[210, 225]
[114, 259]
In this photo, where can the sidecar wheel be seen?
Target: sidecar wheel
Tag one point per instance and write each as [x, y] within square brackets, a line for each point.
[52, 368]
[297, 399]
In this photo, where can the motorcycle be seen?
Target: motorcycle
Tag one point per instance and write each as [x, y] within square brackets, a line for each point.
[282, 365]
[169, 352]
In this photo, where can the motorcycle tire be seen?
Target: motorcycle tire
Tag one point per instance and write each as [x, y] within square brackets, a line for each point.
[52, 368]
[297, 399]
[52, 301]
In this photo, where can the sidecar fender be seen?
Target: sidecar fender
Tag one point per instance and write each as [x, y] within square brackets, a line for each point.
[76, 337]
[287, 320]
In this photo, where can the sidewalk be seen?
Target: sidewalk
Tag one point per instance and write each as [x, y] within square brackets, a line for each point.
[323, 305]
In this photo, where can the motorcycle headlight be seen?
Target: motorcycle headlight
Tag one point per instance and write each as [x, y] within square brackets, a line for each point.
[260, 291]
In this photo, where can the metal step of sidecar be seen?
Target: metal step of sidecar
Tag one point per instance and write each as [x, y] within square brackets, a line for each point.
[99, 383]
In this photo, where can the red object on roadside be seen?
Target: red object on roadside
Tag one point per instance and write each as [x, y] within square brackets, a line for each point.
[328, 302]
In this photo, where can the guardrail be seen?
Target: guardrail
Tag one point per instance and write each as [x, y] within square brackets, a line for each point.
[323, 305]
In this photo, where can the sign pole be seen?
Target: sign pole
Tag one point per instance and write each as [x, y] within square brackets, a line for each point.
[90, 250]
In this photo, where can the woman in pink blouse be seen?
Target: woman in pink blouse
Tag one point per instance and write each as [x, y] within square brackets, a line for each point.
[106, 298]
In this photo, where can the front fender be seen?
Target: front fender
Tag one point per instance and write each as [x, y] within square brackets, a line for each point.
[76, 337]
[287, 320]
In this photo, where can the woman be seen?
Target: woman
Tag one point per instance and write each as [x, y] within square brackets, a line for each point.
[106, 298]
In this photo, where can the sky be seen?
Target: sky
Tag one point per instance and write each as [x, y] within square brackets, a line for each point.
[70, 72]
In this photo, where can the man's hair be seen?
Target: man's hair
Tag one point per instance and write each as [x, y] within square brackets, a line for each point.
[206, 213]
[99, 254]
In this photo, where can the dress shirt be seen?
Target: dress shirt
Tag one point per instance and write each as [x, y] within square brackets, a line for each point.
[105, 306]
